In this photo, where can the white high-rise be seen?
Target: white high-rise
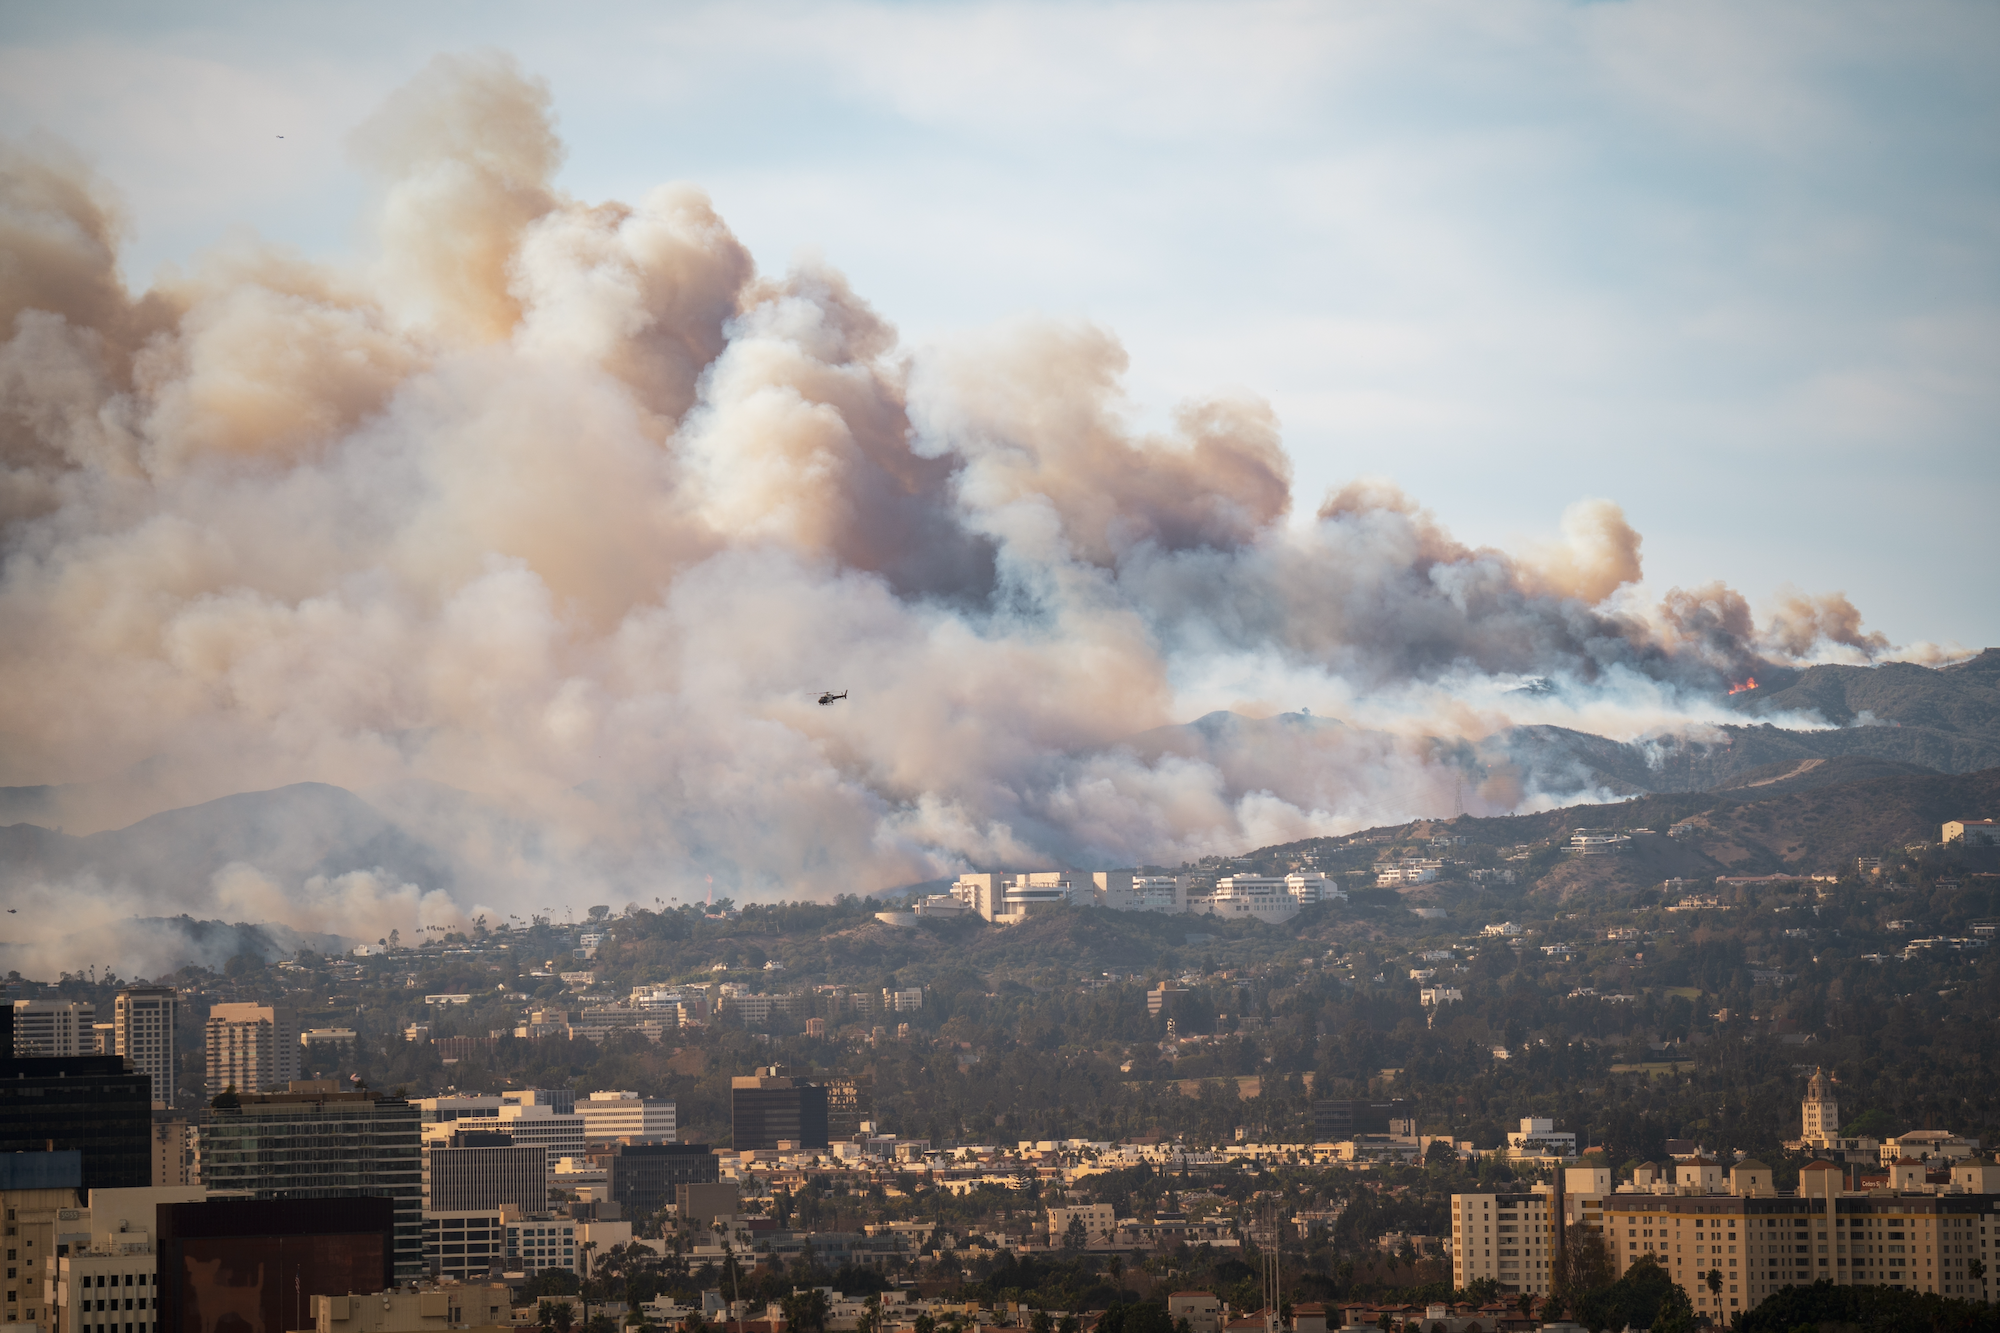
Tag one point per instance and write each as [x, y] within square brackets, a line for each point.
[142, 1031]
[54, 1027]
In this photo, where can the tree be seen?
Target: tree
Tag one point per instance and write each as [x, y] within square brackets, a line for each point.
[1477, 1292]
[805, 1311]
[1638, 1298]
[1676, 1314]
[1583, 1267]
[1074, 1236]
[563, 1317]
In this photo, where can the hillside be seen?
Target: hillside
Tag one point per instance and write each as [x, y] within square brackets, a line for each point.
[1963, 699]
[290, 834]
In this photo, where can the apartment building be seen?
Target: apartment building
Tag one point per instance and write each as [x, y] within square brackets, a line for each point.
[1509, 1238]
[1099, 1220]
[174, 1157]
[142, 1030]
[1729, 1239]
[37, 1189]
[1731, 1251]
[251, 1047]
[54, 1027]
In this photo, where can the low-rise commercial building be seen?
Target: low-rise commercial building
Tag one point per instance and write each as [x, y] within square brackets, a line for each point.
[485, 1308]
[626, 1115]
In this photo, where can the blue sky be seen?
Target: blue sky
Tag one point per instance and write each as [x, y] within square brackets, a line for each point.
[1730, 265]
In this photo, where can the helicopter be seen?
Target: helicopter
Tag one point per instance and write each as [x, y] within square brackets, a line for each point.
[829, 697]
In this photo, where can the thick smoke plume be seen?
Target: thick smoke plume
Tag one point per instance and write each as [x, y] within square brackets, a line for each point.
[543, 526]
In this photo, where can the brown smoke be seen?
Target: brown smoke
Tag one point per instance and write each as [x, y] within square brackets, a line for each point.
[544, 524]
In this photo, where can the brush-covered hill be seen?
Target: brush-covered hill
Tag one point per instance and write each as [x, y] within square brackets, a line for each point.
[290, 834]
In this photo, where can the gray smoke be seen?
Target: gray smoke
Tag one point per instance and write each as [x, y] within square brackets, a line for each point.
[543, 525]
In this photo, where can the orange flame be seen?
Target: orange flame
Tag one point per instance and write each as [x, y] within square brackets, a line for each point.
[1749, 684]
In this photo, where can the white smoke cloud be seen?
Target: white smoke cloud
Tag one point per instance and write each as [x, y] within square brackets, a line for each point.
[545, 523]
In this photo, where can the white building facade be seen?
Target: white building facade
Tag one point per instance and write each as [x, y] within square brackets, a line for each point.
[54, 1027]
[626, 1115]
[143, 1032]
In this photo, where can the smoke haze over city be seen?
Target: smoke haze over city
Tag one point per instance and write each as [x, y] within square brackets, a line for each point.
[542, 523]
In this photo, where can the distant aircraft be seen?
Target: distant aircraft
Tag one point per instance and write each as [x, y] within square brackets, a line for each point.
[831, 697]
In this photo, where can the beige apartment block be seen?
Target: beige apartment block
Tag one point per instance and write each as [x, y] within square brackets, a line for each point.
[251, 1047]
[1507, 1237]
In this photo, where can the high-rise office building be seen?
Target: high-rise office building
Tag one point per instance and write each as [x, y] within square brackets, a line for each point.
[767, 1108]
[478, 1171]
[143, 1032]
[251, 1047]
[315, 1142]
[53, 1027]
[89, 1103]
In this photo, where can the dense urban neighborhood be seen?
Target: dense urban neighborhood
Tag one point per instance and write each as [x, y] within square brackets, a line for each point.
[1461, 1073]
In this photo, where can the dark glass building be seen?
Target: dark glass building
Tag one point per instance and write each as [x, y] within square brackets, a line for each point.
[314, 1144]
[643, 1176]
[768, 1108]
[1338, 1121]
[253, 1266]
[85, 1103]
